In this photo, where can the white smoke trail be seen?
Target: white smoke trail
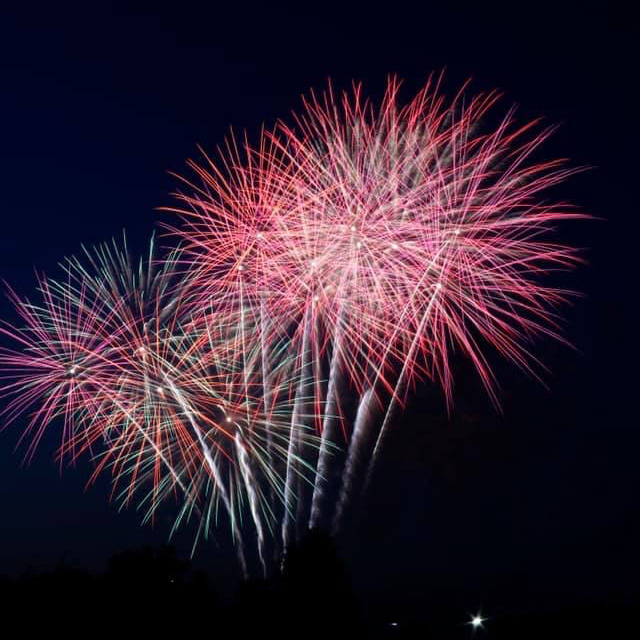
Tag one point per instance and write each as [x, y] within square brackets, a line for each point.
[215, 472]
[361, 429]
[250, 484]
[294, 438]
[399, 389]
[330, 420]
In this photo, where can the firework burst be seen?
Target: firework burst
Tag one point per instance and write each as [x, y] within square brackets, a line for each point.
[381, 239]
[166, 402]
[322, 272]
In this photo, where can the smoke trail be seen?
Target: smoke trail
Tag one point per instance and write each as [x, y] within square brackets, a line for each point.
[360, 442]
[294, 438]
[250, 483]
[215, 471]
[399, 389]
[266, 380]
[328, 437]
[265, 363]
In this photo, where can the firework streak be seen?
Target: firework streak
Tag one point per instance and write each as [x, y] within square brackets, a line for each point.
[255, 371]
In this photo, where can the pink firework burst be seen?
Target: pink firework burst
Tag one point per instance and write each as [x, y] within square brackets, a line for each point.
[396, 233]
[170, 404]
[380, 239]
[321, 273]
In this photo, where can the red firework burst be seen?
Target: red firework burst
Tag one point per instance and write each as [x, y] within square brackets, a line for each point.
[392, 234]
[355, 249]
[171, 404]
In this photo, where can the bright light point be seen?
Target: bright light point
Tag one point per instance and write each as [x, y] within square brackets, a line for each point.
[457, 232]
[438, 286]
[394, 246]
[72, 369]
[240, 267]
[260, 235]
[359, 244]
[228, 419]
[160, 390]
[477, 621]
[393, 624]
[353, 228]
[316, 298]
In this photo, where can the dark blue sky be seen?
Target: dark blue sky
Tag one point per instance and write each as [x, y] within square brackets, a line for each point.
[96, 107]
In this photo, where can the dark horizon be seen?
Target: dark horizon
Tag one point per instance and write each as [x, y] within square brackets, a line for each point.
[538, 502]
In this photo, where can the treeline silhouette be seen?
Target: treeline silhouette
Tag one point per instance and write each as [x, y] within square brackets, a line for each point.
[149, 592]
[153, 592]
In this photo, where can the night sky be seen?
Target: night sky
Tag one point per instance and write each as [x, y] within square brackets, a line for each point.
[538, 504]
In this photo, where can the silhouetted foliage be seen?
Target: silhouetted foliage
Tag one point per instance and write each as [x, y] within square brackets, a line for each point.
[316, 585]
[154, 593]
